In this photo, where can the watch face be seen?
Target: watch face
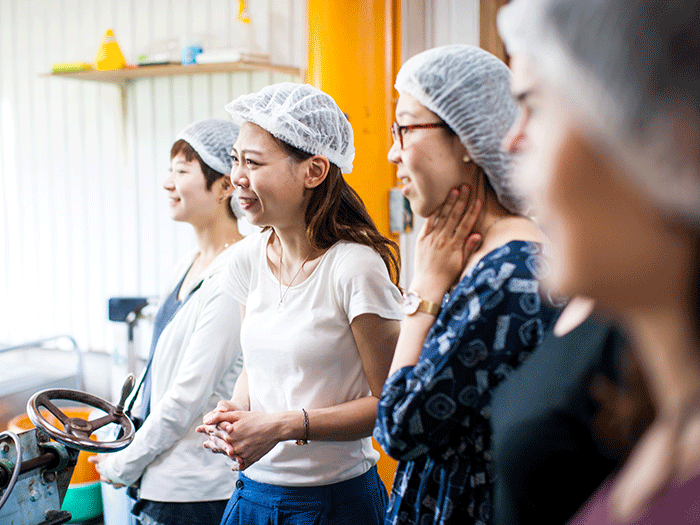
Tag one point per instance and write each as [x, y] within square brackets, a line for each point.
[410, 304]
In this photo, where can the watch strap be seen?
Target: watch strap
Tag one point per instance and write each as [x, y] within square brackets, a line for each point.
[427, 307]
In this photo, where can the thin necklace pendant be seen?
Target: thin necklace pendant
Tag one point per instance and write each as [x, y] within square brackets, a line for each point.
[280, 305]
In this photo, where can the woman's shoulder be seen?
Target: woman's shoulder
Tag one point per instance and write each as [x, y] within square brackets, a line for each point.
[253, 240]
[348, 261]
[185, 261]
[521, 257]
[511, 270]
[181, 267]
[249, 248]
[348, 252]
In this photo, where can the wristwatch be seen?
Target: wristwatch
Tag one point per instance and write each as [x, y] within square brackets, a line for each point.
[413, 303]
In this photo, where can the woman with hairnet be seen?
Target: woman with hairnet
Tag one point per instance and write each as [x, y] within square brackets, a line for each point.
[195, 355]
[473, 311]
[320, 320]
[609, 146]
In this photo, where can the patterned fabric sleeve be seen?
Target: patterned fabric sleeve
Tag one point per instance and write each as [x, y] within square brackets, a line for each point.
[489, 324]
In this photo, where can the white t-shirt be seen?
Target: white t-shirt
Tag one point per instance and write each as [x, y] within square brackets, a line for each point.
[304, 355]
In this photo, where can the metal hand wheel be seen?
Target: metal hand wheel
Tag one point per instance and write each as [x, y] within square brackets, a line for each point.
[77, 431]
[17, 466]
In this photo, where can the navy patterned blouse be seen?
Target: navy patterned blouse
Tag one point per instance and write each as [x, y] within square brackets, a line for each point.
[434, 417]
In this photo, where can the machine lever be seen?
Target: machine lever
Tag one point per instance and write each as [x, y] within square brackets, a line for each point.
[56, 517]
[127, 387]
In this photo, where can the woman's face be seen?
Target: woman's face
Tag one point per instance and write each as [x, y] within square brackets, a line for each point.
[269, 184]
[600, 226]
[189, 199]
[431, 161]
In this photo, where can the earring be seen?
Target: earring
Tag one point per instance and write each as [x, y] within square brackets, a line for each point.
[466, 158]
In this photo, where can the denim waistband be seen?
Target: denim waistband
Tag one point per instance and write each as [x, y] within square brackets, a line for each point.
[341, 491]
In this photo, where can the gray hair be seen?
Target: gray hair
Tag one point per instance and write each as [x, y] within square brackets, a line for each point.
[631, 70]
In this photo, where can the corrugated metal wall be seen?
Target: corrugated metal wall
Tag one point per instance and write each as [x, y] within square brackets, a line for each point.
[83, 214]
[82, 211]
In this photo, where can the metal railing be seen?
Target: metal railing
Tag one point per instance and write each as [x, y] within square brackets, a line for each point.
[42, 344]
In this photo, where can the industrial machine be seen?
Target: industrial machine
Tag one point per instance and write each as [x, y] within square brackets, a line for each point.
[36, 465]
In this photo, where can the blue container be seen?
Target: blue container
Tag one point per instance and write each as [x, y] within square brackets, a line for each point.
[189, 54]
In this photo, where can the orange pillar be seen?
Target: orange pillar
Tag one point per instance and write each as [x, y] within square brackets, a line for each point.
[354, 55]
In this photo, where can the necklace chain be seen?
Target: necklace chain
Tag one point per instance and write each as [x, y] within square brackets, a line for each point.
[197, 267]
[220, 250]
[282, 296]
[200, 266]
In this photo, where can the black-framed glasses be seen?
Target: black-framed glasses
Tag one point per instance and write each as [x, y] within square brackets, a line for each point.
[397, 131]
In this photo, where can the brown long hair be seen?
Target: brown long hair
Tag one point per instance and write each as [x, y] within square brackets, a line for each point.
[336, 212]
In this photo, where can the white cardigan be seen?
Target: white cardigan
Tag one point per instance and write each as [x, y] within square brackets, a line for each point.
[196, 364]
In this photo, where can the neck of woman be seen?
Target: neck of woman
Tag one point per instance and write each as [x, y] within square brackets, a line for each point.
[666, 340]
[216, 236]
[492, 212]
[291, 245]
[666, 327]
[499, 226]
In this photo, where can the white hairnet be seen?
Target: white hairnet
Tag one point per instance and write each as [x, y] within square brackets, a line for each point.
[631, 71]
[213, 140]
[302, 116]
[469, 89]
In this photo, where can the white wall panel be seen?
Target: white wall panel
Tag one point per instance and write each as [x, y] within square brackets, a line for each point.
[435, 23]
[83, 215]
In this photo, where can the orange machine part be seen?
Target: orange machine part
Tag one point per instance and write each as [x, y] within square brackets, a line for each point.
[84, 471]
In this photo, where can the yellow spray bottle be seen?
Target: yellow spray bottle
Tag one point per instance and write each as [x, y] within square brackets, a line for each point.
[109, 55]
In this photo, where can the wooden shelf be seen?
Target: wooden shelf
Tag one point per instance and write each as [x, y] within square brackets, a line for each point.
[125, 76]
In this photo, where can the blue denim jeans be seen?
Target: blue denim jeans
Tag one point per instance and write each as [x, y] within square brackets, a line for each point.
[361, 500]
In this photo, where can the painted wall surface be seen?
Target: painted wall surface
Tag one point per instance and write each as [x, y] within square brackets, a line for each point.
[83, 215]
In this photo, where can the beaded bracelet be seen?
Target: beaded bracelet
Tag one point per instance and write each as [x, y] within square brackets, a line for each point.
[306, 429]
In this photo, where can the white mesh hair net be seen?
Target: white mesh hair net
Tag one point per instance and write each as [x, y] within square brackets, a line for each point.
[469, 89]
[302, 116]
[213, 141]
[630, 70]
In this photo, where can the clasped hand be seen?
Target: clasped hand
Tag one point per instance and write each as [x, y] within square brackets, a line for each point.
[241, 435]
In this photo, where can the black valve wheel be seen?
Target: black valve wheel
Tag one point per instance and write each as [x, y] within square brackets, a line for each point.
[77, 431]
